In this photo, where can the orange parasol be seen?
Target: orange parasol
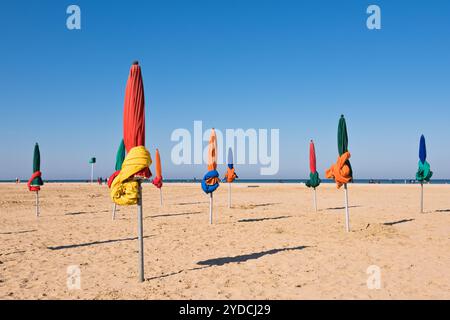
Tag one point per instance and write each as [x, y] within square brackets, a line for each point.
[211, 179]
[158, 181]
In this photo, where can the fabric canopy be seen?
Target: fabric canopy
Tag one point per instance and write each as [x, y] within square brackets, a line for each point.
[230, 175]
[120, 156]
[134, 113]
[134, 110]
[341, 172]
[124, 188]
[210, 181]
[424, 172]
[314, 180]
[158, 181]
[35, 181]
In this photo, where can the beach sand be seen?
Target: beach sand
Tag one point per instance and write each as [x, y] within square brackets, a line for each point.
[269, 245]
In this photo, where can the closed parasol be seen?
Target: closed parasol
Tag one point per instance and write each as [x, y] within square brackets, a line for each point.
[210, 181]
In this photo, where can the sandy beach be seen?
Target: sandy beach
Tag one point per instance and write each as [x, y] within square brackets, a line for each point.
[269, 245]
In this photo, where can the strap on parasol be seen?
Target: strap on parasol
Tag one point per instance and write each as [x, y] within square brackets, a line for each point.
[34, 176]
[340, 172]
[210, 181]
[124, 188]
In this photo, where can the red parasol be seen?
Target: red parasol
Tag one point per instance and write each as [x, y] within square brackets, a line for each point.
[312, 158]
[134, 113]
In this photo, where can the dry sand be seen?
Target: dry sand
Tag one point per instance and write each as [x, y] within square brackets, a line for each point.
[270, 245]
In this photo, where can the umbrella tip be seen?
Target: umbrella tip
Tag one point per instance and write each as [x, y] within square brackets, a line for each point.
[135, 63]
[342, 115]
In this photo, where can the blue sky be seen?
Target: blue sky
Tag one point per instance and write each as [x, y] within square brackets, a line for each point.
[291, 65]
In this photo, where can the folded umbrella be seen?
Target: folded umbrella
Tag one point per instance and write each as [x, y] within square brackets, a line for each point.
[35, 182]
[230, 175]
[341, 172]
[126, 188]
[158, 180]
[424, 172]
[210, 181]
[314, 180]
[120, 157]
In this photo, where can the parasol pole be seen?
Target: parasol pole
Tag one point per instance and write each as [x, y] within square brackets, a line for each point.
[37, 203]
[92, 172]
[210, 208]
[347, 216]
[114, 211]
[140, 233]
[229, 195]
[421, 197]
[315, 200]
[160, 197]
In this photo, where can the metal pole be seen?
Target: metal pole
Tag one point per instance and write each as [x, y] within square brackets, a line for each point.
[114, 211]
[210, 208]
[160, 197]
[229, 195]
[92, 172]
[421, 197]
[37, 203]
[315, 200]
[347, 217]
[140, 234]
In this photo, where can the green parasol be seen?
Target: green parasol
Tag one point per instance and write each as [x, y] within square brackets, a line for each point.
[120, 157]
[343, 148]
[37, 166]
[342, 140]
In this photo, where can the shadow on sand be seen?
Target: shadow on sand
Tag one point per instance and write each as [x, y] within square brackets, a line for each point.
[189, 203]
[71, 246]
[253, 206]
[397, 222]
[221, 261]
[245, 257]
[173, 214]
[263, 219]
[341, 208]
[18, 232]
[443, 210]
[84, 212]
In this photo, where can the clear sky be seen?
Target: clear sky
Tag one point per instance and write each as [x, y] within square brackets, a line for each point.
[291, 65]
